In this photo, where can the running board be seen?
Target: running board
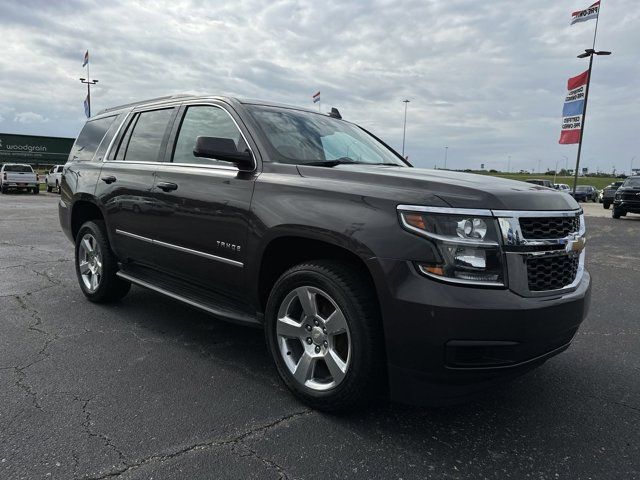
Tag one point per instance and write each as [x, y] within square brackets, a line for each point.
[227, 313]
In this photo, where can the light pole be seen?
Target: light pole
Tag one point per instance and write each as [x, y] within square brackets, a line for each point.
[445, 157]
[589, 52]
[89, 83]
[555, 172]
[631, 167]
[404, 128]
[566, 163]
[509, 164]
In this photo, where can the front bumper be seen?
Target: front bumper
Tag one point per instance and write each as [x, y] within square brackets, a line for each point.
[445, 342]
[627, 206]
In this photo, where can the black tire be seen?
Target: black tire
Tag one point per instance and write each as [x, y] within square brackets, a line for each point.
[49, 189]
[36, 190]
[354, 294]
[58, 187]
[616, 213]
[110, 288]
[606, 205]
[3, 190]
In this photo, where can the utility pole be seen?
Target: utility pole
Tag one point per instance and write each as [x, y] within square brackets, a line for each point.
[509, 164]
[631, 167]
[404, 128]
[445, 157]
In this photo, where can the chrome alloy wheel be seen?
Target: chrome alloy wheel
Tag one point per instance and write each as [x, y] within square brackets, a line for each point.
[313, 338]
[90, 262]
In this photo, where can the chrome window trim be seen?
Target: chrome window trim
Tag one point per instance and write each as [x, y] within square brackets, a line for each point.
[209, 256]
[116, 135]
[201, 103]
[126, 119]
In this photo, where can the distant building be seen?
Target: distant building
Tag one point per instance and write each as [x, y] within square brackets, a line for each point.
[34, 150]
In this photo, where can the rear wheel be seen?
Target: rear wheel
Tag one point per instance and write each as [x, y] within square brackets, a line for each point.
[36, 190]
[3, 190]
[606, 205]
[96, 265]
[323, 332]
[49, 189]
[57, 186]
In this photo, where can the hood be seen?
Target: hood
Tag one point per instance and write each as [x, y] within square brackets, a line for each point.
[457, 189]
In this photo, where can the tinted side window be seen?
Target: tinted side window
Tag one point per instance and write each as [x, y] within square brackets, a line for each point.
[204, 121]
[145, 143]
[89, 139]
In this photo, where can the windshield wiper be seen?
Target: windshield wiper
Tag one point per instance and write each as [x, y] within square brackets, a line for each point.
[333, 163]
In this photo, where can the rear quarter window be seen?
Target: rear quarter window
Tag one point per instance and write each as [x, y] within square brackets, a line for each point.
[89, 139]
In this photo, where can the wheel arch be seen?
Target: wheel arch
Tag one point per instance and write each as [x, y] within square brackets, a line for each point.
[84, 208]
[284, 251]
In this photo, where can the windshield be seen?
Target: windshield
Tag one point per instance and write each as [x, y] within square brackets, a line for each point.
[582, 188]
[632, 182]
[18, 168]
[299, 137]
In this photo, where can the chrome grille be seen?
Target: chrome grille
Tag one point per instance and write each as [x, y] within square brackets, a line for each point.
[544, 250]
[540, 228]
[551, 272]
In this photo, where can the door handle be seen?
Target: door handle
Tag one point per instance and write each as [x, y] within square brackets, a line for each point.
[108, 180]
[167, 186]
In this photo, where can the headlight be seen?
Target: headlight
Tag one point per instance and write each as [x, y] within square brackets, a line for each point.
[468, 245]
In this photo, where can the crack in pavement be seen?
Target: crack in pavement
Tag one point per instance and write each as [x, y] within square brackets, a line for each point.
[238, 440]
[88, 428]
[20, 371]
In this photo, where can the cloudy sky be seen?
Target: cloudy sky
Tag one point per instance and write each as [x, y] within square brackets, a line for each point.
[487, 79]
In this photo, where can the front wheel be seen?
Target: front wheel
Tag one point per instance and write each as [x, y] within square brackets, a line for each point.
[324, 334]
[96, 265]
[606, 205]
[36, 190]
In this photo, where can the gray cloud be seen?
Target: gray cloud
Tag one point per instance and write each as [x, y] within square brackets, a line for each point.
[486, 79]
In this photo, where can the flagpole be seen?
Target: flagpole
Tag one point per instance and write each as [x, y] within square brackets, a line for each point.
[584, 118]
[595, 32]
[88, 86]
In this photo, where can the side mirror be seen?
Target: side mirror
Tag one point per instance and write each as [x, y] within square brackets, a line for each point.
[223, 149]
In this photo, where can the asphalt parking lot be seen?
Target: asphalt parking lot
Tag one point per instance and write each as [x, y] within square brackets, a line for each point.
[149, 388]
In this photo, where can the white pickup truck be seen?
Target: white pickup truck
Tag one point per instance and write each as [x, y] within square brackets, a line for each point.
[53, 180]
[17, 176]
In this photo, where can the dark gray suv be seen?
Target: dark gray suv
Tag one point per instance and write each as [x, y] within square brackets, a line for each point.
[368, 276]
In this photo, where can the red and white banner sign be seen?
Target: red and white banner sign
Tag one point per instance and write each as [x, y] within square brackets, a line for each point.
[586, 14]
[573, 110]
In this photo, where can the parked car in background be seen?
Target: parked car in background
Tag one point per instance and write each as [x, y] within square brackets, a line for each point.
[592, 192]
[608, 194]
[53, 178]
[542, 183]
[563, 187]
[17, 176]
[368, 275]
[627, 198]
[582, 194]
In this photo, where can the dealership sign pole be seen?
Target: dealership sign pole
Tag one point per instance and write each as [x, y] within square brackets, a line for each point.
[575, 107]
[89, 82]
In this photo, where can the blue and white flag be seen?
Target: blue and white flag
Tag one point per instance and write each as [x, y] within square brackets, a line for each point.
[316, 97]
[86, 106]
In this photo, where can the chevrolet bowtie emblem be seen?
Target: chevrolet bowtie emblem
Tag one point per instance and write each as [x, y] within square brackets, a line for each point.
[576, 245]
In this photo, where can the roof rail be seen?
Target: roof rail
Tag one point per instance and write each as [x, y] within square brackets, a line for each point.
[142, 102]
